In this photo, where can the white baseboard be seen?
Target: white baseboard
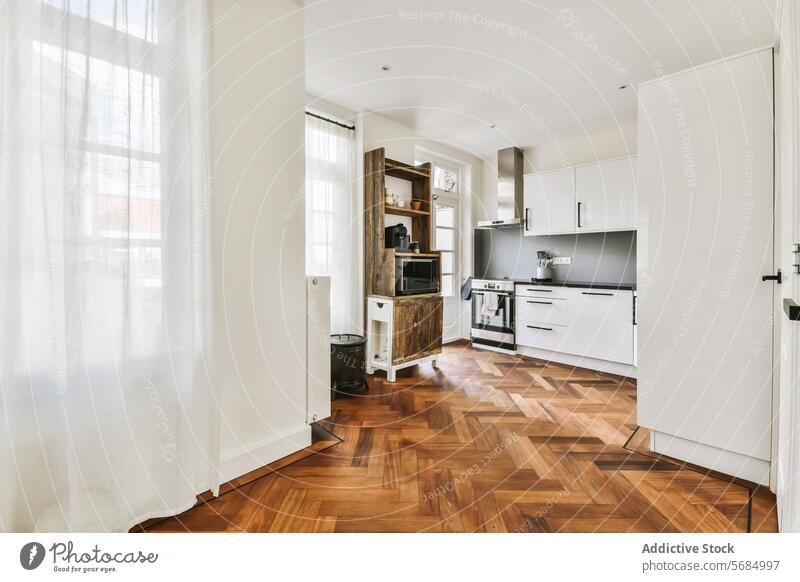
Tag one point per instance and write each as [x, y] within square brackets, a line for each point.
[237, 463]
[625, 370]
[720, 460]
[492, 349]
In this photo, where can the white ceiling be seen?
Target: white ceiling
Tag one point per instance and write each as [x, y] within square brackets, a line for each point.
[548, 70]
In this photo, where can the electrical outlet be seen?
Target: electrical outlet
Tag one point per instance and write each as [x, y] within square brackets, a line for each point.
[562, 260]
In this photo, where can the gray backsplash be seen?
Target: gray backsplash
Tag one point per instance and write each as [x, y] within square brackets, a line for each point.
[601, 257]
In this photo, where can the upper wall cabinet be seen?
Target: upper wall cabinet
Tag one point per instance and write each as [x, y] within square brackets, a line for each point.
[592, 198]
[549, 199]
[605, 196]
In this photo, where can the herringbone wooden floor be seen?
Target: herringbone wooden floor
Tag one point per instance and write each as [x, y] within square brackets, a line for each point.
[486, 443]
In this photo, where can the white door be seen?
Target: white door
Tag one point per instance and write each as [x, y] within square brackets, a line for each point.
[605, 196]
[549, 200]
[447, 240]
[705, 166]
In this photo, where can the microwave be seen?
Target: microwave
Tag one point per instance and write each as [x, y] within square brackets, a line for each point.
[416, 275]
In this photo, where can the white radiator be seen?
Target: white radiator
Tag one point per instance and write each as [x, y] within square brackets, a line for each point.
[318, 348]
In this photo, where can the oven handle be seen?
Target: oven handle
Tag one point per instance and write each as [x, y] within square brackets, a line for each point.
[484, 292]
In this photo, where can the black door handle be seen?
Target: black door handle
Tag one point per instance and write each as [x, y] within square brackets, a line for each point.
[791, 309]
[527, 220]
[579, 214]
[778, 277]
[544, 328]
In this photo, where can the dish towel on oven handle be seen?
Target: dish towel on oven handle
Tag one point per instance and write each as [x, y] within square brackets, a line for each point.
[490, 304]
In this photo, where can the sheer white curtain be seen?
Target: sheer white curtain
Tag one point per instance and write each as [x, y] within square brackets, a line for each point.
[332, 218]
[106, 411]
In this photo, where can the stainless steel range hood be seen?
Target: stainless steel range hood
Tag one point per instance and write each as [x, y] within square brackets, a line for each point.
[509, 190]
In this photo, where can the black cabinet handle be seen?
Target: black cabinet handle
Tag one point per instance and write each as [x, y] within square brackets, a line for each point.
[595, 293]
[540, 290]
[778, 277]
[543, 328]
[579, 214]
[527, 220]
[542, 302]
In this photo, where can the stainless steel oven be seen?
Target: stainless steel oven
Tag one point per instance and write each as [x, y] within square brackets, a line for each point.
[493, 323]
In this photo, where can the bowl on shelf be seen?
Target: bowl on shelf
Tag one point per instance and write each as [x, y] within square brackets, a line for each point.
[416, 205]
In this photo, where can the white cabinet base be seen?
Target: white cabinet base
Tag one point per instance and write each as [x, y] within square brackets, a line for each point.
[616, 368]
[722, 461]
[391, 370]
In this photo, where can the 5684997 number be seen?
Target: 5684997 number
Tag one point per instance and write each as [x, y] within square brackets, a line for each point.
[757, 565]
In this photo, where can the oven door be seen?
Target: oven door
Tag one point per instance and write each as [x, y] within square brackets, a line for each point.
[499, 327]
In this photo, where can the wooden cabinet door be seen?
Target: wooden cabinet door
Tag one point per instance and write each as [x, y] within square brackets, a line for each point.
[549, 201]
[417, 328]
[605, 196]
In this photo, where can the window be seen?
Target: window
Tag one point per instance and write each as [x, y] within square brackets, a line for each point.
[332, 218]
[446, 242]
[136, 18]
[446, 187]
[113, 109]
[328, 181]
[445, 178]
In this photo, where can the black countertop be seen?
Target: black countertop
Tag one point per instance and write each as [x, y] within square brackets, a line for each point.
[576, 284]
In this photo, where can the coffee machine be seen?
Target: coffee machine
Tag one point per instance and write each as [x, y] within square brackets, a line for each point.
[396, 237]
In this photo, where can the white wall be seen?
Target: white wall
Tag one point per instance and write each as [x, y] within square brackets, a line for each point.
[329, 109]
[786, 450]
[257, 139]
[381, 132]
[616, 142]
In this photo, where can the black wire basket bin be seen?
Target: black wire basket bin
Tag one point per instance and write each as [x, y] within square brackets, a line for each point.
[348, 357]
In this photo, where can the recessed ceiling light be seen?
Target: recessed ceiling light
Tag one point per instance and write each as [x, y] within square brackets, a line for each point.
[386, 68]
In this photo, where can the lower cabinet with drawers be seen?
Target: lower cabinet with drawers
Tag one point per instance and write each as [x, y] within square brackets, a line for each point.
[403, 332]
[584, 322]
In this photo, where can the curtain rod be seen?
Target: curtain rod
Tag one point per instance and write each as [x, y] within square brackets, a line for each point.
[333, 121]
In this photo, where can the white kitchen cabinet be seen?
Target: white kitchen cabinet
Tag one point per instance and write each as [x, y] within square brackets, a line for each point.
[542, 310]
[522, 290]
[590, 198]
[544, 336]
[549, 200]
[602, 324]
[605, 196]
[589, 323]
